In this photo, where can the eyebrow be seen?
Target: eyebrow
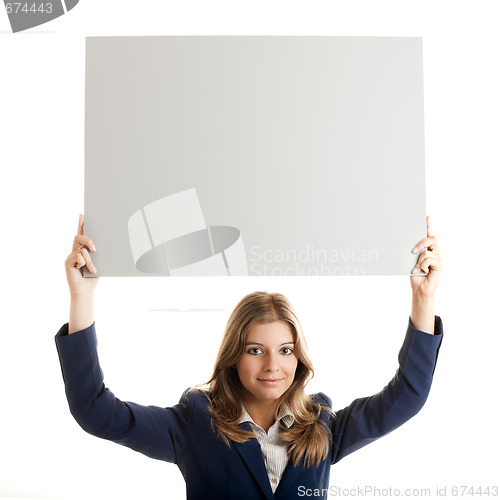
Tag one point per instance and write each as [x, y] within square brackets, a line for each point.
[258, 343]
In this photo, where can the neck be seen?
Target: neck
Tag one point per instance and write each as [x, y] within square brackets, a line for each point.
[262, 412]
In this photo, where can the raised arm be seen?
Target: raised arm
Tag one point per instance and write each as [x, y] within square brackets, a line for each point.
[367, 419]
[157, 432]
[424, 287]
[82, 290]
[154, 431]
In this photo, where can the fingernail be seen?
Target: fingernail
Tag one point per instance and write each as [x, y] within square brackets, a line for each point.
[414, 250]
[92, 246]
[414, 270]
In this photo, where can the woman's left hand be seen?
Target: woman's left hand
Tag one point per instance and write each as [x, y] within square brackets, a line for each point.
[430, 262]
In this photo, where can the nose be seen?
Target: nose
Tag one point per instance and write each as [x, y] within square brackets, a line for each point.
[271, 362]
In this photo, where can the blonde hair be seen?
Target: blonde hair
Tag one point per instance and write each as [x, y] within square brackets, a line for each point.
[308, 437]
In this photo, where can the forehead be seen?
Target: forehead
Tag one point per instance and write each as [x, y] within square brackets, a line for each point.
[277, 332]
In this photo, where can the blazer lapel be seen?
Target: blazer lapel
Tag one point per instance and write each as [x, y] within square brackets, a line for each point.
[252, 455]
[289, 476]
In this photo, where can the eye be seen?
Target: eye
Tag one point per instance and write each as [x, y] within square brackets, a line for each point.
[255, 350]
[287, 351]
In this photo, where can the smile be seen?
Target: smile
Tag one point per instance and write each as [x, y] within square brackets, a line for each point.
[270, 381]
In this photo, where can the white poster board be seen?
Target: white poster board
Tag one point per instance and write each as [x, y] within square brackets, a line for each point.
[260, 156]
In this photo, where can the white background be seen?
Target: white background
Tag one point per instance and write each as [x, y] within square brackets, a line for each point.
[354, 326]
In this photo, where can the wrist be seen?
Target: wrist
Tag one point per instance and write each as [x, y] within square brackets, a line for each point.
[422, 298]
[422, 313]
[81, 312]
[83, 296]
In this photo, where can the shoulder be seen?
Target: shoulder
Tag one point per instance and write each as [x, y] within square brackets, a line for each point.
[322, 399]
[194, 396]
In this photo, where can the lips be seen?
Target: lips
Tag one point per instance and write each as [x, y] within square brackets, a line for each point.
[270, 381]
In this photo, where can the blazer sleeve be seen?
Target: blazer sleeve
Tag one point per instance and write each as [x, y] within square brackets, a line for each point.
[156, 432]
[367, 419]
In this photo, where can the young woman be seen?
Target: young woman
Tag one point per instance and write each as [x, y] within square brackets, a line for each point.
[253, 433]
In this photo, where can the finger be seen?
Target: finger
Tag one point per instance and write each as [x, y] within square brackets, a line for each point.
[79, 259]
[75, 260]
[82, 240]
[428, 264]
[429, 242]
[88, 261]
[430, 232]
[80, 224]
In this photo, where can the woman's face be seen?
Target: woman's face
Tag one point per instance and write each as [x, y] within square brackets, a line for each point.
[267, 367]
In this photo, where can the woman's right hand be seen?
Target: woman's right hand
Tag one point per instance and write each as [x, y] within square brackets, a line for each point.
[79, 257]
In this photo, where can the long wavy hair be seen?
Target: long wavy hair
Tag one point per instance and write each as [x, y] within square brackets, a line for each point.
[308, 437]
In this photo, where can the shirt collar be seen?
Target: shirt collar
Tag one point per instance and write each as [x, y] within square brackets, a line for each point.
[285, 415]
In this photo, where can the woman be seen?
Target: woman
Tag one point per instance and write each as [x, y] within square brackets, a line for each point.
[253, 433]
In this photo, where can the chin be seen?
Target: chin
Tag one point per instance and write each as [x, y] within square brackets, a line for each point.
[269, 394]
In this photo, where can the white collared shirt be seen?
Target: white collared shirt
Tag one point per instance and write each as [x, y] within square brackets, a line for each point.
[272, 446]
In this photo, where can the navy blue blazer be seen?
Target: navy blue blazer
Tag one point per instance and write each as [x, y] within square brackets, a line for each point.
[183, 433]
